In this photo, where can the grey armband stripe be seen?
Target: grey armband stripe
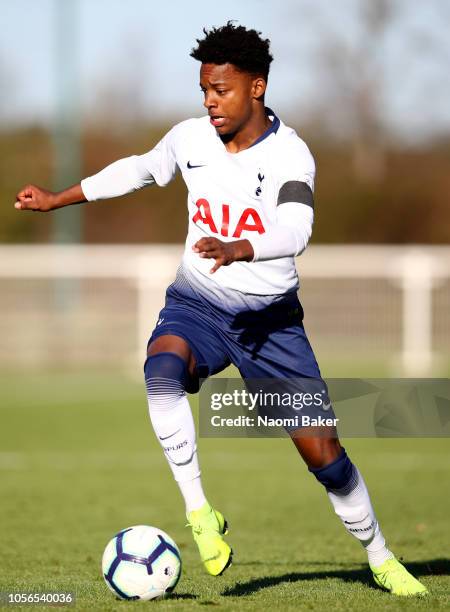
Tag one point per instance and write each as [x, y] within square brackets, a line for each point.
[296, 191]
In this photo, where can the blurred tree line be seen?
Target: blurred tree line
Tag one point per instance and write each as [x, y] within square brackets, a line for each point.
[406, 200]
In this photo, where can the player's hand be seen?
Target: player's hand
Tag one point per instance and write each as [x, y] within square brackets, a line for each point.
[223, 252]
[35, 198]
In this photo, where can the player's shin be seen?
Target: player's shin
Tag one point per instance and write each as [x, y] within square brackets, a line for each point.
[349, 496]
[171, 417]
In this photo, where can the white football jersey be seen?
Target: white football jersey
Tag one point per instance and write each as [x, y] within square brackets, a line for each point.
[233, 196]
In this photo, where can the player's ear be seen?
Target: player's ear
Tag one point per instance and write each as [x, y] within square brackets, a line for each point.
[259, 87]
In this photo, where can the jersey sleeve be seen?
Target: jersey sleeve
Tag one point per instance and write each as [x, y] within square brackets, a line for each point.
[289, 236]
[131, 173]
[297, 165]
[161, 162]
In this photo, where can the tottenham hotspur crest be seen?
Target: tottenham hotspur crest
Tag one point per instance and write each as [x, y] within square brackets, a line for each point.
[258, 190]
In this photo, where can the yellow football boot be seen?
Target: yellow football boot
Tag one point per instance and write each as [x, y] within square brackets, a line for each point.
[392, 576]
[208, 527]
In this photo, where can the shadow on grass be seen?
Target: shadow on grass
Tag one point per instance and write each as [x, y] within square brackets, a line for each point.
[418, 568]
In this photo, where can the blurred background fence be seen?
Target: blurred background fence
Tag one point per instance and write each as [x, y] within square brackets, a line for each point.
[369, 310]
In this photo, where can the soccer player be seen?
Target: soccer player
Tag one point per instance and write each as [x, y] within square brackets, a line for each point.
[250, 182]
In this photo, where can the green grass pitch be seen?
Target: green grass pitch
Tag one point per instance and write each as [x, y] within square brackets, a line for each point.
[78, 462]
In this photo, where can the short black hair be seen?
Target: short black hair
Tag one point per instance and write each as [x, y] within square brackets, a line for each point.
[236, 45]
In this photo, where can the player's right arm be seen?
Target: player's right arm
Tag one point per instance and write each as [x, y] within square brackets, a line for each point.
[36, 198]
[119, 178]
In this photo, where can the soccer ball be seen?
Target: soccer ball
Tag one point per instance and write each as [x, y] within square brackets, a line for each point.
[141, 562]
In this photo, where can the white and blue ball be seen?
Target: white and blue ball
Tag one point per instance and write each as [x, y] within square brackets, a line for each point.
[141, 562]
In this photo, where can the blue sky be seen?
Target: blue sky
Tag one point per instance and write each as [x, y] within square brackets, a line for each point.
[133, 56]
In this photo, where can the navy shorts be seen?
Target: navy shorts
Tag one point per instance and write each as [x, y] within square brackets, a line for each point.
[267, 345]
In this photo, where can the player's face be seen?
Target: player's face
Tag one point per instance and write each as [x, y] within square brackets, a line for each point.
[230, 96]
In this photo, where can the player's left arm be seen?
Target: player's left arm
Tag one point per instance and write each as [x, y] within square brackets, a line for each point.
[289, 236]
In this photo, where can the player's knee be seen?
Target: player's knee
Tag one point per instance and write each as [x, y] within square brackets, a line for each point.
[338, 476]
[166, 377]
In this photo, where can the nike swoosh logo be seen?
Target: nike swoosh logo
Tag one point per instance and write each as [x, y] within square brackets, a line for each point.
[190, 166]
[167, 437]
[354, 522]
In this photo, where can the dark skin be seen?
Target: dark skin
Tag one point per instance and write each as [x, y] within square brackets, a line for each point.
[235, 102]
